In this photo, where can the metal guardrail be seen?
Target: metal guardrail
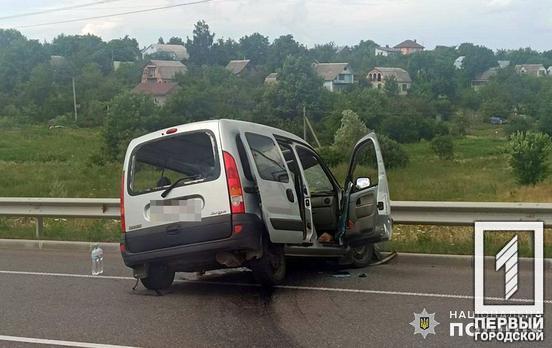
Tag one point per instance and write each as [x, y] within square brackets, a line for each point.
[39, 208]
[404, 212]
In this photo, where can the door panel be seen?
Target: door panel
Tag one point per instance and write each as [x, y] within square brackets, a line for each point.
[323, 213]
[280, 207]
[368, 215]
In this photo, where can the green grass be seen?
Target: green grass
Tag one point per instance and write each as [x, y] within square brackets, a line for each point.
[38, 162]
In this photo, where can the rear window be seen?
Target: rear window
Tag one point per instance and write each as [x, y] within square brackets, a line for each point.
[189, 158]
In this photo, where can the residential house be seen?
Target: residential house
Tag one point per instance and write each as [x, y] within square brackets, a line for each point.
[174, 52]
[158, 79]
[379, 75]
[484, 78]
[337, 76]
[502, 64]
[57, 61]
[459, 62]
[240, 67]
[162, 70]
[409, 47]
[271, 79]
[159, 91]
[535, 70]
[119, 63]
[386, 51]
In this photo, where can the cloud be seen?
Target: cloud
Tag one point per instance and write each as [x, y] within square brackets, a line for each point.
[100, 28]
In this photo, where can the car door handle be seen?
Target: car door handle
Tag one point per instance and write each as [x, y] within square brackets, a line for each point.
[290, 196]
[380, 206]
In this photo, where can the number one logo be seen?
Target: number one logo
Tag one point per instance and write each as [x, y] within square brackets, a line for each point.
[508, 258]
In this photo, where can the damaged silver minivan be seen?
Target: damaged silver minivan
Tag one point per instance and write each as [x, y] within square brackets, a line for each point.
[226, 193]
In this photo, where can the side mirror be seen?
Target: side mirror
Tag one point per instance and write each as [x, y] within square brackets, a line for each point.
[362, 183]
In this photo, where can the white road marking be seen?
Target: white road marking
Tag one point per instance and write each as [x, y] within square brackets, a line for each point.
[58, 343]
[289, 287]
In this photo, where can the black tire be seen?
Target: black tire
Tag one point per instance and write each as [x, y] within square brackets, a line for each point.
[270, 269]
[362, 255]
[159, 277]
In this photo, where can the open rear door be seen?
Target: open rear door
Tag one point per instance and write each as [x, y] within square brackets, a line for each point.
[367, 210]
[279, 201]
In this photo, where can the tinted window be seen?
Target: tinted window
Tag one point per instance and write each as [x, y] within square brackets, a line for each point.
[243, 159]
[189, 157]
[316, 177]
[267, 158]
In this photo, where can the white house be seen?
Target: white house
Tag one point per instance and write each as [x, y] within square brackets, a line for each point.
[379, 75]
[337, 76]
[459, 62]
[535, 70]
[386, 51]
[174, 52]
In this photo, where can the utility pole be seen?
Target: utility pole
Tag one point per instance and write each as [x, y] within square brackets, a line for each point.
[74, 99]
[304, 123]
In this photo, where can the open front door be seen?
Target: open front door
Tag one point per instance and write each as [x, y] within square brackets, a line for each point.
[367, 210]
[279, 201]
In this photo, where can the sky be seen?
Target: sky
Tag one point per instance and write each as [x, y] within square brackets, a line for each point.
[508, 24]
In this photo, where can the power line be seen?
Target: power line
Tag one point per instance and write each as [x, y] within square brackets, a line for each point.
[57, 9]
[118, 14]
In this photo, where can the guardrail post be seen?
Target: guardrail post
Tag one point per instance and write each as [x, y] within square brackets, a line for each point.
[39, 226]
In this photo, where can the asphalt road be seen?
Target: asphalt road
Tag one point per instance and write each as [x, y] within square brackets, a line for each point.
[49, 295]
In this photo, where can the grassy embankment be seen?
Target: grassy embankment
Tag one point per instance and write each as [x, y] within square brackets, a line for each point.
[37, 162]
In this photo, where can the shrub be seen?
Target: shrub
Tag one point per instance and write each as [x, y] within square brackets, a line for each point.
[331, 155]
[519, 123]
[529, 156]
[443, 147]
[393, 153]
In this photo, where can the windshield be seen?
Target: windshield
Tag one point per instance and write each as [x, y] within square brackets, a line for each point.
[184, 159]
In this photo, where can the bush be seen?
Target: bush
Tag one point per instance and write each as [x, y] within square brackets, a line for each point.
[443, 147]
[331, 155]
[393, 153]
[529, 156]
[519, 123]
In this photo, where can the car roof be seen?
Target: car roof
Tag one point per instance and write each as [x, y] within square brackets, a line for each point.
[224, 123]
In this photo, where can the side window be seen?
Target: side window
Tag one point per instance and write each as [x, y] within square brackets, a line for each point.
[243, 159]
[365, 164]
[267, 158]
[316, 177]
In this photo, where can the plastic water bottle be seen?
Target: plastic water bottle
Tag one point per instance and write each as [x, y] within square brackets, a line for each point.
[97, 260]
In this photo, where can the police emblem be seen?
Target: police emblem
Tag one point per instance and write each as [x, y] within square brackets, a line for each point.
[424, 323]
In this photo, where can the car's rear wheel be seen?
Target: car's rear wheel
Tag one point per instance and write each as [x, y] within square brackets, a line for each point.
[270, 269]
[362, 255]
[159, 277]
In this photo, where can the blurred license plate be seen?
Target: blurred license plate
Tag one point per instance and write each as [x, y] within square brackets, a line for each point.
[176, 210]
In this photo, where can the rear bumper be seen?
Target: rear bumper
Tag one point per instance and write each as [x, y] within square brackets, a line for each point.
[197, 256]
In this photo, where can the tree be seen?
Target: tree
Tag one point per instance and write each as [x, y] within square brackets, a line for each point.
[223, 51]
[125, 49]
[529, 156]
[477, 59]
[199, 47]
[350, 131]
[254, 47]
[443, 147]
[161, 41]
[298, 86]
[129, 116]
[175, 40]
[391, 86]
[281, 49]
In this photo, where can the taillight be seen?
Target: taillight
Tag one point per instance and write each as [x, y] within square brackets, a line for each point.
[122, 203]
[235, 192]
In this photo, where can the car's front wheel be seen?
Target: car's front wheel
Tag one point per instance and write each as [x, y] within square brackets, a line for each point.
[270, 268]
[159, 277]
